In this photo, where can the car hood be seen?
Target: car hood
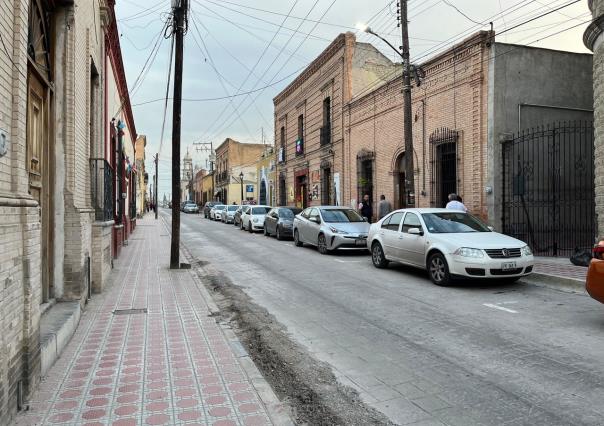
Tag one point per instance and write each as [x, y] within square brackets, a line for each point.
[351, 227]
[481, 240]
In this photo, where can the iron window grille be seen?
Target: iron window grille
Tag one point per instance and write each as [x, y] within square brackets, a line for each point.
[101, 191]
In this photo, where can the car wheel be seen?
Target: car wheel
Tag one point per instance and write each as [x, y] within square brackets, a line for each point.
[322, 244]
[279, 237]
[249, 227]
[241, 225]
[266, 234]
[297, 241]
[377, 256]
[439, 270]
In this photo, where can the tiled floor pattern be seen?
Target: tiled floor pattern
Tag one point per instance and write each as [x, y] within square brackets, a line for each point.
[560, 268]
[172, 365]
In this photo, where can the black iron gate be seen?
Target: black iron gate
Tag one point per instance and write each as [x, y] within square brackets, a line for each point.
[548, 188]
[443, 144]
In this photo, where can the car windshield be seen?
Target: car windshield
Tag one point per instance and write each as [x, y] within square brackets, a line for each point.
[340, 215]
[233, 208]
[454, 222]
[219, 207]
[260, 210]
[288, 213]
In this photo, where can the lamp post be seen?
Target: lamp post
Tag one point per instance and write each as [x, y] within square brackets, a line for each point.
[241, 182]
[407, 133]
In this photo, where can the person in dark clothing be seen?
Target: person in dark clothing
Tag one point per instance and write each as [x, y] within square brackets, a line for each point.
[365, 208]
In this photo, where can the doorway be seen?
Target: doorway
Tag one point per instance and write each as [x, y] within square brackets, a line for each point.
[302, 191]
[400, 201]
[443, 144]
[262, 200]
[282, 191]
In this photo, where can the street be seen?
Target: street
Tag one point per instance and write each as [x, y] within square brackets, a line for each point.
[475, 353]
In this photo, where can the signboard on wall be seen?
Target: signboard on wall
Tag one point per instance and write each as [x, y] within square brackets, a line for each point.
[314, 193]
[290, 194]
[249, 188]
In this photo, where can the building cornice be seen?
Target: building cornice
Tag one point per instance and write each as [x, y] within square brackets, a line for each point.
[593, 32]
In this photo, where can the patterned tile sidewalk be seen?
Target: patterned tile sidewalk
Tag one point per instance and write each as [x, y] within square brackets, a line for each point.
[171, 365]
[559, 267]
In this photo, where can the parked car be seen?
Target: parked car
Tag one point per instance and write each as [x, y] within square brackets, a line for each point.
[229, 214]
[448, 244]
[207, 207]
[219, 211]
[182, 206]
[279, 222]
[237, 216]
[215, 210]
[330, 228]
[252, 217]
[594, 283]
[190, 207]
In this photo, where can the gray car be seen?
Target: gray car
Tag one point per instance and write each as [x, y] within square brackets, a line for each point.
[330, 228]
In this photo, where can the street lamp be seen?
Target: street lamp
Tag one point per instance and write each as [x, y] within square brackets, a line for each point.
[407, 134]
[241, 182]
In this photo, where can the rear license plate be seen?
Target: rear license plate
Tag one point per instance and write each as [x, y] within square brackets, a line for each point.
[361, 242]
[506, 266]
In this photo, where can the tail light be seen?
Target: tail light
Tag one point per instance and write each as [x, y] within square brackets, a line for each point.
[598, 251]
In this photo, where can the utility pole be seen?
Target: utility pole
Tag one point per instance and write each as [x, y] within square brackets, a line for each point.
[408, 134]
[156, 180]
[179, 12]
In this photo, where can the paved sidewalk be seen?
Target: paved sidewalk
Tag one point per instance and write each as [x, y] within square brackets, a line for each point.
[170, 365]
[560, 267]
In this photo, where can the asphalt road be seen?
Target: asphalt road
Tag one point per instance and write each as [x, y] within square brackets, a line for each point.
[477, 353]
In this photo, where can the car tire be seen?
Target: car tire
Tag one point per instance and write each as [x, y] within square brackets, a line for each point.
[322, 244]
[438, 269]
[266, 234]
[278, 232]
[378, 257]
[297, 241]
[241, 225]
[249, 227]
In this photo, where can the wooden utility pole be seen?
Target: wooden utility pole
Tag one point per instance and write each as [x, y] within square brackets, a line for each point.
[407, 131]
[156, 180]
[179, 12]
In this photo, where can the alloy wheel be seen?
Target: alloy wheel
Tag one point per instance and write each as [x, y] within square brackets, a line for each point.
[297, 241]
[438, 269]
[322, 244]
[377, 256]
[278, 233]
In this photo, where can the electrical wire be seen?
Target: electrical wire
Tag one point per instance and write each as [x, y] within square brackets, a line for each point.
[461, 12]
[163, 124]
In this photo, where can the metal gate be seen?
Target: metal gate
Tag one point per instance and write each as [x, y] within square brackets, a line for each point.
[548, 188]
[443, 144]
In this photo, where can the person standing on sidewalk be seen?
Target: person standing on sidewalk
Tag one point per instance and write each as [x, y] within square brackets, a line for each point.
[384, 207]
[455, 204]
[365, 208]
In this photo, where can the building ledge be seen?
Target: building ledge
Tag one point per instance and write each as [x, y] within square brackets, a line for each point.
[57, 325]
[103, 224]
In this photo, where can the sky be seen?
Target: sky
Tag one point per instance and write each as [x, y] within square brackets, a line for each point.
[234, 47]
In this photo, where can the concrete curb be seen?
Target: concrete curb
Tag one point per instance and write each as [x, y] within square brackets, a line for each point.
[554, 282]
[62, 330]
[276, 410]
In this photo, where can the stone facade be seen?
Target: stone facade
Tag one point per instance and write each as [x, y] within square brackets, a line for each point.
[594, 40]
[449, 110]
[51, 118]
[232, 159]
[309, 121]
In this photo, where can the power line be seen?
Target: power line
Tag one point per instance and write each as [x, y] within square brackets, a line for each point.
[163, 124]
[461, 12]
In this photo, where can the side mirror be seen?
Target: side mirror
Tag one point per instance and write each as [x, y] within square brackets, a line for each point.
[316, 220]
[491, 228]
[415, 231]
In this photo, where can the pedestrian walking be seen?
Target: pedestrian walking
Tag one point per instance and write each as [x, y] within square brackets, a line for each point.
[384, 207]
[365, 208]
[455, 204]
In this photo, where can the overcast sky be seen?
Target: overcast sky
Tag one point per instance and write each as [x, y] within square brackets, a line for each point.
[238, 46]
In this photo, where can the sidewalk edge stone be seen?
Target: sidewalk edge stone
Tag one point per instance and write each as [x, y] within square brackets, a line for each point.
[569, 285]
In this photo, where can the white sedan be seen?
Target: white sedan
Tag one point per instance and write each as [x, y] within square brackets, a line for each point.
[448, 244]
[252, 217]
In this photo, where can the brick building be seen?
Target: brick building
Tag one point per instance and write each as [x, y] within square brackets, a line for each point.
[233, 159]
[309, 121]
[198, 189]
[593, 39]
[52, 181]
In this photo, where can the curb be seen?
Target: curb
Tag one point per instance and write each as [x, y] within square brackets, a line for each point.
[276, 410]
[555, 282]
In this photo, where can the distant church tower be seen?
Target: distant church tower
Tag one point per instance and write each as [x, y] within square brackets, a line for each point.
[187, 175]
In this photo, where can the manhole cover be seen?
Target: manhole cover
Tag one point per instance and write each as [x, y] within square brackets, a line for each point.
[130, 311]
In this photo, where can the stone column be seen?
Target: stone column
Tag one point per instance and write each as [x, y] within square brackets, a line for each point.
[594, 40]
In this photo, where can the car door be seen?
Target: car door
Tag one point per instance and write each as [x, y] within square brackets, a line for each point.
[412, 246]
[303, 224]
[269, 221]
[245, 216]
[312, 227]
[389, 233]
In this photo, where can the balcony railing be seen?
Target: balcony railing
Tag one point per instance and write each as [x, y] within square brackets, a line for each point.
[326, 134]
[101, 181]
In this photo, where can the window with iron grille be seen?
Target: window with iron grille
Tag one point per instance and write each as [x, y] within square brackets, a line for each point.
[325, 133]
[443, 143]
[300, 140]
[101, 181]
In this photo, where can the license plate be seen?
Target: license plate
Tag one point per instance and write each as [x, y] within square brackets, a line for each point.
[361, 242]
[506, 266]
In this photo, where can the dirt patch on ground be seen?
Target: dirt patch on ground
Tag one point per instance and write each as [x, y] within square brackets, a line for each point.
[308, 386]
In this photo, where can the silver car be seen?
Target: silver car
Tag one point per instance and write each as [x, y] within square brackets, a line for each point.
[330, 228]
[449, 244]
[228, 215]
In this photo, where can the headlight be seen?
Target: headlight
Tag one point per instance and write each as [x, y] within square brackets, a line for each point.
[469, 252]
[337, 231]
[526, 251]
[255, 220]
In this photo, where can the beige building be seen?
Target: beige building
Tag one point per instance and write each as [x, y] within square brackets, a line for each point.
[594, 40]
[55, 208]
[141, 175]
[265, 172]
[309, 121]
[233, 160]
[207, 186]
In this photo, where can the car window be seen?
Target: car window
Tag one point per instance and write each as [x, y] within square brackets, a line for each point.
[340, 215]
[453, 222]
[233, 208]
[313, 214]
[260, 210]
[305, 213]
[246, 210]
[393, 221]
[286, 214]
[411, 221]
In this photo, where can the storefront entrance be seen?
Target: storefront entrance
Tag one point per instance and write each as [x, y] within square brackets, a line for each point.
[302, 188]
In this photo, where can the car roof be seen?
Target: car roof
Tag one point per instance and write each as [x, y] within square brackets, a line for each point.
[429, 210]
[334, 207]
